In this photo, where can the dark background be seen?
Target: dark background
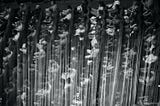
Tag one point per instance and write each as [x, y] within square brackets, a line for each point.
[62, 3]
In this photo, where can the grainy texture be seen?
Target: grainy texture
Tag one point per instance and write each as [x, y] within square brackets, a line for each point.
[75, 53]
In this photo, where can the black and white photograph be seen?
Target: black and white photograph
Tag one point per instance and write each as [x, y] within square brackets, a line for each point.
[79, 52]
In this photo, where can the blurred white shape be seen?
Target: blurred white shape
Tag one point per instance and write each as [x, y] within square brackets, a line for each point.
[73, 48]
[6, 17]
[23, 96]
[89, 51]
[126, 17]
[8, 56]
[94, 42]
[85, 81]
[52, 102]
[65, 12]
[77, 102]
[149, 79]
[128, 53]
[19, 28]
[40, 92]
[67, 17]
[151, 38]
[134, 25]
[64, 76]
[74, 59]
[93, 19]
[132, 52]
[116, 2]
[77, 32]
[125, 64]
[93, 26]
[109, 5]
[16, 37]
[152, 47]
[40, 47]
[43, 92]
[79, 8]
[93, 32]
[67, 85]
[71, 74]
[150, 58]
[23, 49]
[36, 103]
[81, 38]
[94, 12]
[41, 52]
[100, 8]
[109, 67]
[92, 53]
[89, 62]
[38, 55]
[80, 30]
[42, 41]
[110, 31]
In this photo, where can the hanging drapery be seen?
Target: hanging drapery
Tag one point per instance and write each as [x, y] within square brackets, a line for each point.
[79, 56]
